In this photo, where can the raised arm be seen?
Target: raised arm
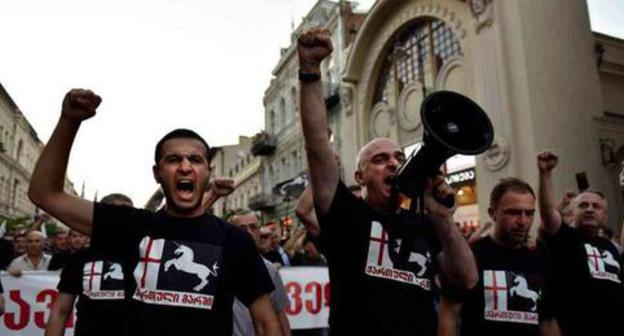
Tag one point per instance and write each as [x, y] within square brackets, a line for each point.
[48, 179]
[305, 212]
[313, 46]
[551, 218]
[219, 187]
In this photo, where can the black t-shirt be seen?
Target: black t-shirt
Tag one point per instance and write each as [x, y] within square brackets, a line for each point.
[181, 274]
[6, 253]
[514, 292]
[588, 282]
[381, 269]
[99, 285]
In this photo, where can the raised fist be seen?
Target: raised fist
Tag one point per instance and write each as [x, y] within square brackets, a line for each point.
[222, 186]
[546, 161]
[79, 105]
[313, 46]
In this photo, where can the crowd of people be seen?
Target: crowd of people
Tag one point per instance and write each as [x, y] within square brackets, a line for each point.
[395, 268]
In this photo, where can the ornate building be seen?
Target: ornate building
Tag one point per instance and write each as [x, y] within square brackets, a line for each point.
[544, 78]
[236, 162]
[19, 150]
[281, 145]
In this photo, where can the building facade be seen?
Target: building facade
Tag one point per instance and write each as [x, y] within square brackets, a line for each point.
[545, 80]
[19, 150]
[237, 163]
[281, 145]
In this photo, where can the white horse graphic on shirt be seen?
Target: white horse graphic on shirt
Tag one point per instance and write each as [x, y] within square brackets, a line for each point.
[521, 289]
[184, 262]
[115, 272]
[608, 259]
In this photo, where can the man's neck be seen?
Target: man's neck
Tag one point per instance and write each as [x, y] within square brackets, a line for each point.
[35, 259]
[505, 244]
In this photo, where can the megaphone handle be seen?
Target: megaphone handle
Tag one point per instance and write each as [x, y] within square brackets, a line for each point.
[448, 201]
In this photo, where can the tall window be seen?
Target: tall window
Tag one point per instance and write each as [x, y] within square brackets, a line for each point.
[294, 101]
[419, 50]
[284, 115]
[272, 122]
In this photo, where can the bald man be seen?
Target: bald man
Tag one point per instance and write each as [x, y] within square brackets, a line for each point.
[34, 259]
[382, 259]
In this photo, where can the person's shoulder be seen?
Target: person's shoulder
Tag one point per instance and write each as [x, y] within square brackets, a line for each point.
[483, 245]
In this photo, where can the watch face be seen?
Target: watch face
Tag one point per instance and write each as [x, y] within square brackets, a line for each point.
[477, 6]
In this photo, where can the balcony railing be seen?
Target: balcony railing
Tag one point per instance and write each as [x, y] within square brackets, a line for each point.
[263, 144]
[262, 202]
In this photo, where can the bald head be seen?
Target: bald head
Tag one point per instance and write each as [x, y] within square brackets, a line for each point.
[373, 147]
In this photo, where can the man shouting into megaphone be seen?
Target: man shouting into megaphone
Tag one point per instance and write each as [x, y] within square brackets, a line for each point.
[382, 259]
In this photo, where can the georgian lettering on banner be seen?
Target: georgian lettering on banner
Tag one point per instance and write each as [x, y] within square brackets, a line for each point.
[27, 302]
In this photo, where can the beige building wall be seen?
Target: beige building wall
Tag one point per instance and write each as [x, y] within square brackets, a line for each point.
[19, 150]
[531, 65]
[236, 162]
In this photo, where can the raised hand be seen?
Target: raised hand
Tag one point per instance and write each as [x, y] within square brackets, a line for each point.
[313, 46]
[79, 105]
[221, 186]
[546, 161]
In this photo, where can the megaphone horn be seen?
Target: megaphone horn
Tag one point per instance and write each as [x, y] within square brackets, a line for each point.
[453, 124]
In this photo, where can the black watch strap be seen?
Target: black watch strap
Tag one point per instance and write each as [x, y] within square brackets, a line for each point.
[309, 77]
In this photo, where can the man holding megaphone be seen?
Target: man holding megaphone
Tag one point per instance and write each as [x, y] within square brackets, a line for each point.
[382, 258]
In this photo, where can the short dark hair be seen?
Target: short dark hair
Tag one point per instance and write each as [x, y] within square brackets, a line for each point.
[180, 133]
[509, 184]
[111, 198]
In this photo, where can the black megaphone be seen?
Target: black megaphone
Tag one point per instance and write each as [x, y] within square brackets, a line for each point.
[453, 124]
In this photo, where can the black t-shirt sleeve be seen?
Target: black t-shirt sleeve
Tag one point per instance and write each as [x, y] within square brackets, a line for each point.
[71, 276]
[117, 229]
[1, 289]
[250, 276]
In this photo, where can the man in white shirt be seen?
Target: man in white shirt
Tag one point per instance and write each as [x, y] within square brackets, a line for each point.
[34, 259]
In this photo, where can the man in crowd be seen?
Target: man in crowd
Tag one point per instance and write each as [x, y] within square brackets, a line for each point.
[19, 243]
[98, 283]
[34, 259]
[382, 260]
[76, 242]
[587, 267]
[514, 294]
[243, 325]
[58, 242]
[183, 266]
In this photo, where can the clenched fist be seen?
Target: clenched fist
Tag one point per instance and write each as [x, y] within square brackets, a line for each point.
[546, 161]
[222, 186]
[79, 105]
[313, 46]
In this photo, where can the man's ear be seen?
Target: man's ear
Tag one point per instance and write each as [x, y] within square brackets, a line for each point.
[155, 172]
[492, 214]
[359, 177]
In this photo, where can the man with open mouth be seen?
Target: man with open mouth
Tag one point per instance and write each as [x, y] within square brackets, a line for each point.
[382, 260]
[182, 266]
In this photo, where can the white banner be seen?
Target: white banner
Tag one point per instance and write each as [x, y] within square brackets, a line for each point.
[27, 303]
[308, 292]
[28, 300]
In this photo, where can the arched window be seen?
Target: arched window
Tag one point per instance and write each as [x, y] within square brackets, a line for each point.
[417, 54]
